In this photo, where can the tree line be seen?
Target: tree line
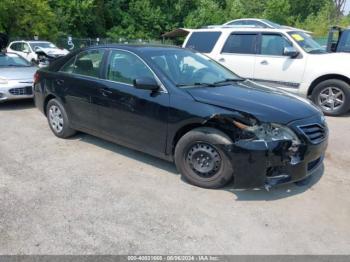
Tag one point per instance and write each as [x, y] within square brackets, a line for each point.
[148, 19]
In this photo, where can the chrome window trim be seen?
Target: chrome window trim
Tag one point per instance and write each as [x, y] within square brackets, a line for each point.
[161, 85]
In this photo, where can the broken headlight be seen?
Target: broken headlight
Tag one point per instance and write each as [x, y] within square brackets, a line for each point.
[269, 132]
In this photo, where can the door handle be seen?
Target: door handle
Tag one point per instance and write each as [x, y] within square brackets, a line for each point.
[264, 62]
[222, 59]
[105, 92]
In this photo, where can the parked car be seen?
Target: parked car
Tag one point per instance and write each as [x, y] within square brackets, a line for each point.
[36, 51]
[16, 77]
[283, 58]
[259, 23]
[182, 106]
[339, 40]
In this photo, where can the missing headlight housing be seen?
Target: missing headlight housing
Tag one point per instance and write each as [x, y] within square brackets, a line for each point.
[269, 132]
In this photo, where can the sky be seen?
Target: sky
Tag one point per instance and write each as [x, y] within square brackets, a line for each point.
[347, 8]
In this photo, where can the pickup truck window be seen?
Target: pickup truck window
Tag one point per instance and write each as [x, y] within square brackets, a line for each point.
[203, 42]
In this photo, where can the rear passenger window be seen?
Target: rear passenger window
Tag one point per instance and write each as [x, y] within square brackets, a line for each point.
[203, 42]
[240, 44]
[88, 63]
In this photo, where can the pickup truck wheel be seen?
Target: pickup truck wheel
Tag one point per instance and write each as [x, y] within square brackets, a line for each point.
[200, 159]
[58, 119]
[332, 96]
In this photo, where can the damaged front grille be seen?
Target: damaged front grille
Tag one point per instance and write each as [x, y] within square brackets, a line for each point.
[314, 132]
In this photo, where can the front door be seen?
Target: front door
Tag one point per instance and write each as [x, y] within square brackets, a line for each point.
[134, 117]
[275, 69]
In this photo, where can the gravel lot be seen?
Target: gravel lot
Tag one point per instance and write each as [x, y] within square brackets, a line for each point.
[88, 196]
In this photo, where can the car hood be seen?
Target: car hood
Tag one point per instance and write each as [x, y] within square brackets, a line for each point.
[18, 73]
[264, 103]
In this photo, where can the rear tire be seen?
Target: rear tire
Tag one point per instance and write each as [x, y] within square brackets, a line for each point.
[332, 97]
[200, 159]
[58, 119]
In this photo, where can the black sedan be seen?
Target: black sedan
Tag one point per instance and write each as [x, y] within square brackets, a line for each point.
[181, 106]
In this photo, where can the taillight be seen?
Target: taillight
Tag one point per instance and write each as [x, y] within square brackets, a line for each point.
[36, 78]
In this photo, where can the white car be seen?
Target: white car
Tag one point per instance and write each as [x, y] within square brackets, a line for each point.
[28, 49]
[16, 77]
[284, 58]
[256, 22]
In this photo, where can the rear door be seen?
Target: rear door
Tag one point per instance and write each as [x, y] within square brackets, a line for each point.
[239, 53]
[275, 69]
[80, 86]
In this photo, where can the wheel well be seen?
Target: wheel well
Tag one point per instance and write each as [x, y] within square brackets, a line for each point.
[47, 99]
[327, 77]
[213, 123]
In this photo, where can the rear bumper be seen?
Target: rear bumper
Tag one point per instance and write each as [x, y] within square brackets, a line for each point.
[16, 90]
[39, 97]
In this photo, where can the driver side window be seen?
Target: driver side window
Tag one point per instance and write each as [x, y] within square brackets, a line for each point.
[124, 67]
[273, 44]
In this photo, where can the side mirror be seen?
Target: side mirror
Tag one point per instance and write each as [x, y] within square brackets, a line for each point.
[146, 83]
[290, 51]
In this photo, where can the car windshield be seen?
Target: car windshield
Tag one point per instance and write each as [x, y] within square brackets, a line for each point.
[186, 68]
[307, 43]
[9, 60]
[34, 46]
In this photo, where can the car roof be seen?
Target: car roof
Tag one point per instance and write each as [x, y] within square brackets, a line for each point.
[29, 41]
[135, 47]
[243, 29]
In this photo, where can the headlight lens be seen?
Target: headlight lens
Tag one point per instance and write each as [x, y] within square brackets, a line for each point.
[3, 81]
[269, 132]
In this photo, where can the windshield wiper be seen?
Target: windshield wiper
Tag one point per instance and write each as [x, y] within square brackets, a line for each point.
[228, 80]
[196, 84]
[215, 84]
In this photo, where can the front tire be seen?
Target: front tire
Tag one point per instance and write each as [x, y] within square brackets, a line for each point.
[332, 97]
[58, 119]
[200, 159]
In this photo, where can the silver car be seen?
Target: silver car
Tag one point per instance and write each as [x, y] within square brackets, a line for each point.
[16, 77]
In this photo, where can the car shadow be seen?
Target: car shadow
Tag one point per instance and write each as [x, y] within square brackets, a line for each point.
[17, 105]
[130, 153]
[278, 192]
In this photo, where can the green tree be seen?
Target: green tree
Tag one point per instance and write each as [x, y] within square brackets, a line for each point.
[278, 11]
[27, 18]
[208, 13]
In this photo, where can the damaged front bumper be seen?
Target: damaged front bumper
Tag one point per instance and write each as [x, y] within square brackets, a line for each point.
[259, 164]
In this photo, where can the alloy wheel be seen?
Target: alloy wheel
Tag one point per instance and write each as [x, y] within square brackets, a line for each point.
[56, 118]
[331, 98]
